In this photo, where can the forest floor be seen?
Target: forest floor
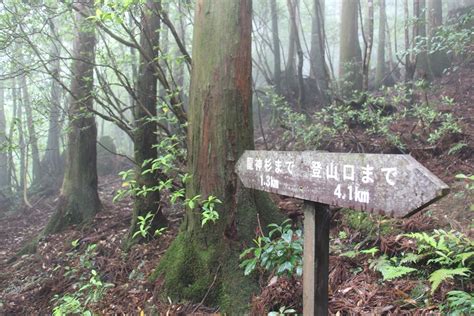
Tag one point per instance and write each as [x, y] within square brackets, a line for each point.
[29, 284]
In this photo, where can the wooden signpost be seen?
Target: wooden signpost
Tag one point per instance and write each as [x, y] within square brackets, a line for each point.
[392, 185]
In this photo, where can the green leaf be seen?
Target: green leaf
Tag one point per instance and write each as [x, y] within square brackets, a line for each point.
[440, 275]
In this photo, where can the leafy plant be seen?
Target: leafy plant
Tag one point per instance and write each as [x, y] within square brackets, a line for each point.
[209, 212]
[450, 253]
[144, 224]
[90, 288]
[280, 252]
[282, 311]
[389, 268]
[460, 303]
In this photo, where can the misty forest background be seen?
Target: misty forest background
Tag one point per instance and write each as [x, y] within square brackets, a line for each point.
[121, 123]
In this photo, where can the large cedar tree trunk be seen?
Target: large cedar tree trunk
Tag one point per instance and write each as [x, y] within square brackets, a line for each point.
[79, 200]
[203, 259]
[145, 120]
[350, 62]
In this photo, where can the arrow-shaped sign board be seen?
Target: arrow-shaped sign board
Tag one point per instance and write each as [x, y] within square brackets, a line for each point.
[394, 185]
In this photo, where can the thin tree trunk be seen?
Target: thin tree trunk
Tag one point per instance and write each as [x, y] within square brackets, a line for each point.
[145, 111]
[419, 10]
[291, 63]
[32, 138]
[79, 200]
[380, 70]
[438, 60]
[21, 137]
[410, 60]
[276, 46]
[52, 159]
[369, 41]
[294, 15]
[5, 179]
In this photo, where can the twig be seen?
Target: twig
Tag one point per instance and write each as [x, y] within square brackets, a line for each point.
[208, 290]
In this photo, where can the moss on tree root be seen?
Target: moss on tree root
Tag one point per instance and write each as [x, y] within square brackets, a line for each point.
[203, 264]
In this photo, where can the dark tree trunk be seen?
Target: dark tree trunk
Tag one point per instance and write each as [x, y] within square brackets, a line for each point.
[203, 260]
[291, 62]
[318, 67]
[145, 120]
[422, 66]
[438, 60]
[79, 200]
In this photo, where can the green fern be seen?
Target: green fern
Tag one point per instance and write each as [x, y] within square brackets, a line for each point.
[460, 303]
[388, 270]
[440, 275]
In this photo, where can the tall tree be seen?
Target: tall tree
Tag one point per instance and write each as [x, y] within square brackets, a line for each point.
[318, 67]
[438, 60]
[350, 60]
[79, 200]
[276, 46]
[380, 70]
[32, 137]
[203, 261]
[145, 109]
[293, 7]
[52, 160]
[419, 12]
[4, 174]
[368, 35]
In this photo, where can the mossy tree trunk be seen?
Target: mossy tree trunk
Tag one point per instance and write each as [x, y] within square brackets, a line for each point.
[350, 61]
[202, 263]
[79, 200]
[145, 110]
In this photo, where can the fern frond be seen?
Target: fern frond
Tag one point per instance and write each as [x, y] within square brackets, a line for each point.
[440, 275]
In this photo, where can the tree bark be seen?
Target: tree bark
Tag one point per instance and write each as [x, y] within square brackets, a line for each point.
[380, 70]
[145, 110]
[202, 263]
[350, 61]
[79, 200]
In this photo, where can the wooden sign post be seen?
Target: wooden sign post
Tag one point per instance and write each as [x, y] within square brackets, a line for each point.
[392, 185]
